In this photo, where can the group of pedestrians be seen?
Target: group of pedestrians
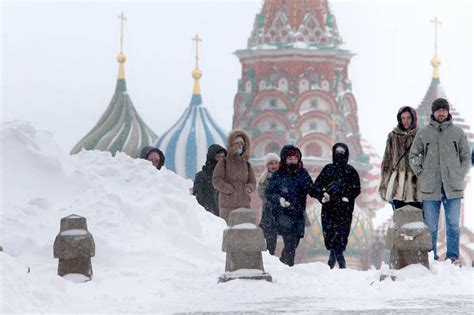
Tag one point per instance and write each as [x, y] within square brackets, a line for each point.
[283, 188]
[426, 168]
[421, 167]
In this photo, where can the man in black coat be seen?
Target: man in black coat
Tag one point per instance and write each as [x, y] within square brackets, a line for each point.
[154, 155]
[287, 191]
[336, 188]
[203, 189]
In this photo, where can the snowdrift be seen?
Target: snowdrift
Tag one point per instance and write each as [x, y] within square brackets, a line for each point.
[157, 250]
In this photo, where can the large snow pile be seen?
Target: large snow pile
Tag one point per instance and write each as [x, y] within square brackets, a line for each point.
[158, 251]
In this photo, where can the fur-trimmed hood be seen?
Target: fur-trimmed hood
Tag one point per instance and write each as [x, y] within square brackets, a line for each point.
[232, 152]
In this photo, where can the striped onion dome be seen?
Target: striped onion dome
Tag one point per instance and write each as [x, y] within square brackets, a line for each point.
[120, 129]
[185, 144]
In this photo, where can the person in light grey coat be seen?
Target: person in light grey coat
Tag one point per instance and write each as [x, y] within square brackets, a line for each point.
[440, 157]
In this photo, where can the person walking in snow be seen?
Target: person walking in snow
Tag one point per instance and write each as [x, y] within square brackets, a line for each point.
[267, 224]
[398, 184]
[233, 176]
[154, 155]
[206, 195]
[440, 158]
[287, 190]
[337, 187]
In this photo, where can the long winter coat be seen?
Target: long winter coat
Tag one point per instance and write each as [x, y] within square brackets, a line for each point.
[338, 180]
[205, 193]
[234, 177]
[440, 155]
[267, 223]
[294, 187]
[398, 181]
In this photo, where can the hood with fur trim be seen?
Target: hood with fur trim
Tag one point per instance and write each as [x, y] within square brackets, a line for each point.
[231, 151]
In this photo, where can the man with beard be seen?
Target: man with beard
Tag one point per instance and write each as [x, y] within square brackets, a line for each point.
[440, 158]
[286, 191]
[206, 195]
[336, 188]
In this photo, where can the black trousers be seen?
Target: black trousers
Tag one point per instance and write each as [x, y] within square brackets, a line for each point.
[271, 238]
[290, 242]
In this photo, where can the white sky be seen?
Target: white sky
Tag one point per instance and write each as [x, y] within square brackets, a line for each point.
[59, 69]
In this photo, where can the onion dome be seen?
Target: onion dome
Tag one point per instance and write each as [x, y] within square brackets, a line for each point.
[185, 144]
[120, 129]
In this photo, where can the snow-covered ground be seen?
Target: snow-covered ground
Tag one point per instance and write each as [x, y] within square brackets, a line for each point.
[158, 251]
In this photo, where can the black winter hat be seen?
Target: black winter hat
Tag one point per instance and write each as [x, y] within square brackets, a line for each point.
[439, 103]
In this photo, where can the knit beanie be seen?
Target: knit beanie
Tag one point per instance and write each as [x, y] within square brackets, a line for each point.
[270, 157]
[439, 103]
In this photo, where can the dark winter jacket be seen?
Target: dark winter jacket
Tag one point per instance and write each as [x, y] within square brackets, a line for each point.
[339, 180]
[267, 223]
[294, 186]
[147, 150]
[205, 193]
[398, 182]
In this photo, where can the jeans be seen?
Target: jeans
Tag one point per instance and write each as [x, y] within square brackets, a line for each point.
[452, 209]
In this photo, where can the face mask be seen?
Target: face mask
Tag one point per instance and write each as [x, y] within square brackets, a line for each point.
[339, 157]
[240, 151]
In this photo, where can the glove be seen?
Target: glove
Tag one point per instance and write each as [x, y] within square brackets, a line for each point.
[284, 203]
[345, 199]
[326, 197]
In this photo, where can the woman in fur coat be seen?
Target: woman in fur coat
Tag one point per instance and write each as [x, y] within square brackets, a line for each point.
[398, 184]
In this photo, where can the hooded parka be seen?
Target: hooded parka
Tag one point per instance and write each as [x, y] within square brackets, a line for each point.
[341, 181]
[205, 193]
[234, 177]
[147, 150]
[440, 156]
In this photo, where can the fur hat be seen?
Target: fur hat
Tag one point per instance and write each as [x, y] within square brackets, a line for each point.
[270, 157]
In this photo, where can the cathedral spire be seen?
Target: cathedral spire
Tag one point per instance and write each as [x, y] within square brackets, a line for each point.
[197, 73]
[435, 61]
[121, 58]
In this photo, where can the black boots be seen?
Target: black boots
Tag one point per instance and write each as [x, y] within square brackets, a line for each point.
[332, 259]
[340, 259]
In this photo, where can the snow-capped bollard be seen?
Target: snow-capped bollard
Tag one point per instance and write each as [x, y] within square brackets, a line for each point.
[243, 244]
[74, 246]
[409, 239]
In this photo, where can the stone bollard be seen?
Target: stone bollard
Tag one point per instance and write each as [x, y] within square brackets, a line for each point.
[74, 246]
[243, 244]
[408, 239]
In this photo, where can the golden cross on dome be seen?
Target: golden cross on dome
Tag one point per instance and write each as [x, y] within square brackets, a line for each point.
[197, 40]
[436, 22]
[122, 19]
